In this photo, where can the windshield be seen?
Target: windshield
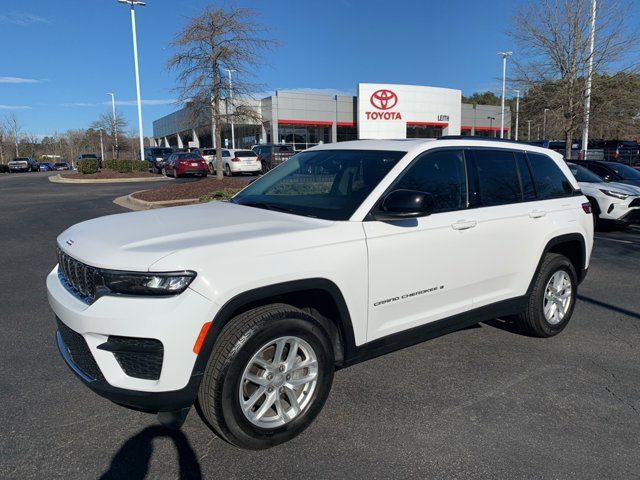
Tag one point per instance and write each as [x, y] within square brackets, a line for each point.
[627, 173]
[161, 151]
[584, 175]
[328, 184]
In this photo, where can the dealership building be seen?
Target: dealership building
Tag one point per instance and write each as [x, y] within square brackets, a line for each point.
[303, 119]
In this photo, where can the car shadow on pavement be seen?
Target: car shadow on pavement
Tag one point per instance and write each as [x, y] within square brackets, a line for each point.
[133, 458]
[608, 306]
[508, 324]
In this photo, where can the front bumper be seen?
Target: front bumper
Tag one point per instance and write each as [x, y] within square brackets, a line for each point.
[174, 321]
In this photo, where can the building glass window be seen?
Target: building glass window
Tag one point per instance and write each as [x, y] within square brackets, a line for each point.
[303, 136]
[424, 131]
[345, 134]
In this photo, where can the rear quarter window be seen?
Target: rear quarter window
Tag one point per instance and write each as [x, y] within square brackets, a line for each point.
[549, 180]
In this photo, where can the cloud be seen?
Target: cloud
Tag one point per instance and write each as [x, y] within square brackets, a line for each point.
[79, 104]
[323, 91]
[23, 19]
[19, 80]
[15, 107]
[133, 103]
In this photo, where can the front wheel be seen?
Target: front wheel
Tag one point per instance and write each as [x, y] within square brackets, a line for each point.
[268, 377]
[552, 298]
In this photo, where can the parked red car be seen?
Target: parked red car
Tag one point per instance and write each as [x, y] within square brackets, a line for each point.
[185, 163]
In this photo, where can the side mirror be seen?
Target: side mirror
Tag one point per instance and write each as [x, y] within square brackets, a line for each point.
[402, 204]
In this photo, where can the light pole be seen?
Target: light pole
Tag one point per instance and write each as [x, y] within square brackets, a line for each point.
[491, 119]
[504, 56]
[134, 3]
[528, 130]
[101, 147]
[115, 122]
[233, 135]
[587, 94]
[517, 112]
[544, 124]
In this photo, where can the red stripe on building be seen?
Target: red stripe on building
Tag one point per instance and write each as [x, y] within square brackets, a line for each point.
[314, 123]
[427, 124]
[346, 124]
[483, 129]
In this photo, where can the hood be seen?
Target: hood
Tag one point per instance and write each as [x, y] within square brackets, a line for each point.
[136, 240]
[617, 186]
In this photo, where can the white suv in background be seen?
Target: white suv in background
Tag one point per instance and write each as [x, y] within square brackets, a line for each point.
[236, 161]
[344, 252]
[609, 200]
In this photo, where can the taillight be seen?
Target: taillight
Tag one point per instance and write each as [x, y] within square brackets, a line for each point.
[586, 207]
[235, 159]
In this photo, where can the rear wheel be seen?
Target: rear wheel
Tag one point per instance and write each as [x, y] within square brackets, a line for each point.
[164, 172]
[552, 298]
[268, 377]
[227, 170]
[265, 169]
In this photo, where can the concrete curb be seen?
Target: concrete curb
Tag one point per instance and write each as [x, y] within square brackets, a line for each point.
[59, 179]
[132, 203]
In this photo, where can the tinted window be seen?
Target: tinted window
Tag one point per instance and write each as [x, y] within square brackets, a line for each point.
[549, 180]
[442, 174]
[599, 170]
[245, 153]
[526, 180]
[225, 153]
[625, 171]
[498, 179]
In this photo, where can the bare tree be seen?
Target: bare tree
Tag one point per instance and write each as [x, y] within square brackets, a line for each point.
[217, 38]
[553, 52]
[111, 127]
[3, 139]
[14, 130]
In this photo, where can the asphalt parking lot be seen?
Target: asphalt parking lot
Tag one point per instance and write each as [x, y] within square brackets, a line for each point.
[484, 402]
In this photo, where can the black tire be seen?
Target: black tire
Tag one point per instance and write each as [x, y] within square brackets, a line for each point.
[595, 211]
[533, 320]
[265, 168]
[218, 400]
[164, 172]
[227, 170]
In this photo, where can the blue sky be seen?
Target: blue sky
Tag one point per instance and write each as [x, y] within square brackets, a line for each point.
[61, 57]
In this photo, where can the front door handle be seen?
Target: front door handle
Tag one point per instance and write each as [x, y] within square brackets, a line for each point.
[537, 213]
[464, 224]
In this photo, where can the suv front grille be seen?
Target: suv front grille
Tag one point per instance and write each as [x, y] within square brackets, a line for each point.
[81, 278]
[79, 351]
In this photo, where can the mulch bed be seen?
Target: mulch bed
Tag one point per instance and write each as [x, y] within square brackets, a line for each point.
[183, 191]
[107, 174]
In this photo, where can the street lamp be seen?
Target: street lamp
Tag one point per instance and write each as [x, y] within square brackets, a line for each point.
[517, 112]
[233, 135]
[528, 130]
[134, 3]
[115, 122]
[491, 119]
[544, 124]
[504, 56]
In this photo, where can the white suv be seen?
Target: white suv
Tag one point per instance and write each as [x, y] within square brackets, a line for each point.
[345, 252]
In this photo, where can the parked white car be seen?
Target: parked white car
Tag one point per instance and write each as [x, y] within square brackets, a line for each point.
[236, 161]
[609, 200]
[344, 252]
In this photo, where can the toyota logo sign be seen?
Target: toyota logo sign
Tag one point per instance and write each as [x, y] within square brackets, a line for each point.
[384, 99]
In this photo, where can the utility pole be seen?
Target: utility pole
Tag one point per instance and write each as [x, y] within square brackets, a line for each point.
[528, 130]
[504, 56]
[134, 3]
[233, 135]
[101, 147]
[517, 112]
[544, 124]
[115, 123]
[491, 119]
[587, 93]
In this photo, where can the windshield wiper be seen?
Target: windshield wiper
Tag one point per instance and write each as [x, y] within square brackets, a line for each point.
[268, 206]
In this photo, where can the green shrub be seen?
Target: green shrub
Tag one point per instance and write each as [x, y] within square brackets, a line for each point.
[4, 168]
[88, 165]
[126, 166]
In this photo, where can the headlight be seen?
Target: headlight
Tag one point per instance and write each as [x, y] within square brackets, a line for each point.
[130, 283]
[613, 193]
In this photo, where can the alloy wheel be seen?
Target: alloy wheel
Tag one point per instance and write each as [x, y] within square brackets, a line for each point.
[557, 297]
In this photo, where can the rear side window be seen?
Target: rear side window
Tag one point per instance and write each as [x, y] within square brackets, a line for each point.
[225, 153]
[528, 190]
[442, 174]
[549, 180]
[498, 177]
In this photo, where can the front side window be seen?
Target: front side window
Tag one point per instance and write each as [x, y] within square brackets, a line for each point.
[498, 178]
[583, 174]
[549, 180]
[327, 184]
[440, 173]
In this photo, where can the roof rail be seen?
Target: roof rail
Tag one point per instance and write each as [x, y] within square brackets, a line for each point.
[470, 137]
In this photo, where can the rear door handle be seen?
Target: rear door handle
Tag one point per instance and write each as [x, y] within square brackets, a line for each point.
[464, 224]
[537, 213]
